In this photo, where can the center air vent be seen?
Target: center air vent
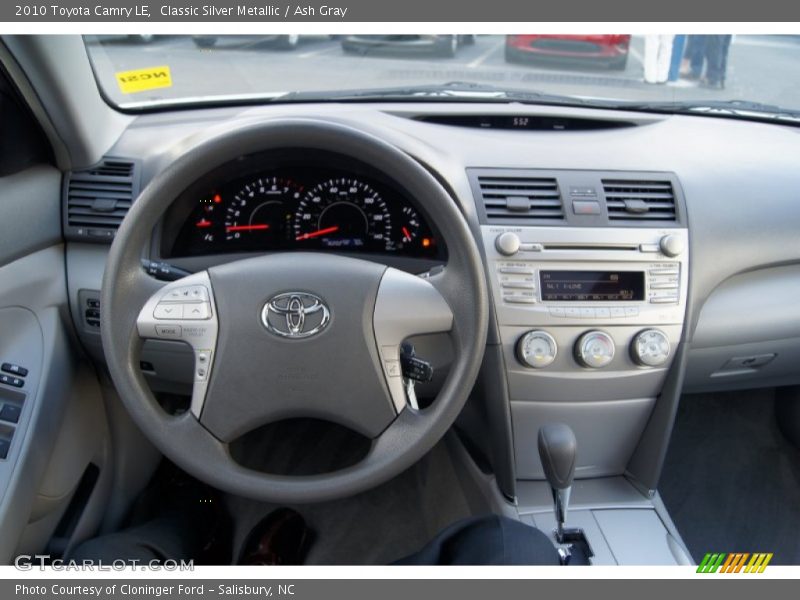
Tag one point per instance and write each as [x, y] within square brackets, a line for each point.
[635, 200]
[98, 198]
[519, 199]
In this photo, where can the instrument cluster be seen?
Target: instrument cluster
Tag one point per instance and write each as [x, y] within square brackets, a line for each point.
[300, 208]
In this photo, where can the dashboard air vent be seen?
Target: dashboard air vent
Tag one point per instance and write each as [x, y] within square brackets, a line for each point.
[514, 199]
[98, 198]
[636, 200]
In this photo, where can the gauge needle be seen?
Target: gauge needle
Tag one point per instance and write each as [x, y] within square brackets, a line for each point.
[407, 234]
[317, 233]
[231, 228]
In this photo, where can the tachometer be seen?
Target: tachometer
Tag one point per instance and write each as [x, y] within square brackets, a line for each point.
[343, 213]
[261, 212]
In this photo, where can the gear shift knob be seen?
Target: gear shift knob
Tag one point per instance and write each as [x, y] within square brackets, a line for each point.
[557, 450]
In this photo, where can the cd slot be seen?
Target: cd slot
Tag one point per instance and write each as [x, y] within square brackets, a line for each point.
[590, 247]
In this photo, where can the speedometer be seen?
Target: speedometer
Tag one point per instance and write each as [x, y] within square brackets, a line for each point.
[343, 213]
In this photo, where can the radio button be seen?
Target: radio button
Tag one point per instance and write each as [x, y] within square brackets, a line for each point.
[667, 271]
[587, 313]
[518, 284]
[631, 311]
[572, 313]
[617, 312]
[531, 247]
[557, 311]
[664, 300]
[664, 285]
[515, 271]
[507, 243]
[520, 299]
[602, 313]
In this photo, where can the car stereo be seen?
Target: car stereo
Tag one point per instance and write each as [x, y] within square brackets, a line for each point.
[591, 286]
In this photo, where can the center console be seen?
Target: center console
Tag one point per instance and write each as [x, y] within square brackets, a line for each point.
[588, 273]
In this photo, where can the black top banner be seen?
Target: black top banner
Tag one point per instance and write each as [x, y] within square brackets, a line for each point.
[354, 11]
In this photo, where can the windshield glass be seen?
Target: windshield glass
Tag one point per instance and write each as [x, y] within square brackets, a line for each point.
[696, 71]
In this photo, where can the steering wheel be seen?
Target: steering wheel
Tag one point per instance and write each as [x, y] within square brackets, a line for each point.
[294, 334]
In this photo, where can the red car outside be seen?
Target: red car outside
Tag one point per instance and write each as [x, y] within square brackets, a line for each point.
[609, 50]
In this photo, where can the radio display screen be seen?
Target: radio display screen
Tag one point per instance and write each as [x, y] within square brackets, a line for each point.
[591, 286]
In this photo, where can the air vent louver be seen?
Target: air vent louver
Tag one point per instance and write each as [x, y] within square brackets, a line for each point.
[97, 199]
[635, 200]
[516, 199]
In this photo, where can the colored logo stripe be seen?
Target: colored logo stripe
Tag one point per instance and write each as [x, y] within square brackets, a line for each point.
[734, 562]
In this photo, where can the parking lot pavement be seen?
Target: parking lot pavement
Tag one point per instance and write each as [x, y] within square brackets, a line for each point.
[760, 68]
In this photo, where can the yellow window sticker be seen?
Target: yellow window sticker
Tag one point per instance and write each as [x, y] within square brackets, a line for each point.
[141, 80]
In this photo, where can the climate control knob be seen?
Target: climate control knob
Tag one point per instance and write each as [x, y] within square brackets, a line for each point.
[594, 349]
[650, 348]
[507, 243]
[537, 349]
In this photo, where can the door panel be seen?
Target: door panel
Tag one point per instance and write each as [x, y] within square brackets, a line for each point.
[35, 334]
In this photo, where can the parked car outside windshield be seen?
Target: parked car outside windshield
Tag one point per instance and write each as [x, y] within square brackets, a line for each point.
[685, 70]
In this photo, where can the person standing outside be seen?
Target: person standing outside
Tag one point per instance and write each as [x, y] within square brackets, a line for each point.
[657, 57]
[717, 48]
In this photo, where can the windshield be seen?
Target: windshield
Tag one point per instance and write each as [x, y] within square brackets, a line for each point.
[686, 71]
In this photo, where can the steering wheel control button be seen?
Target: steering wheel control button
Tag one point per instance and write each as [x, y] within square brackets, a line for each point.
[168, 311]
[393, 368]
[14, 369]
[200, 311]
[169, 331]
[188, 293]
[594, 349]
[650, 348]
[202, 365]
[537, 349]
[507, 243]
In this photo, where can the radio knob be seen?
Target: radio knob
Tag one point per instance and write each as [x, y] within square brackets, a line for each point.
[507, 243]
[650, 348]
[671, 245]
[537, 349]
[594, 349]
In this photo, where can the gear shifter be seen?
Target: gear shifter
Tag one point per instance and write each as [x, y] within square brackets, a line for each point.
[557, 450]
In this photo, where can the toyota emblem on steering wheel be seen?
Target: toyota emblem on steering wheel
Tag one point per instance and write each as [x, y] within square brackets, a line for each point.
[295, 315]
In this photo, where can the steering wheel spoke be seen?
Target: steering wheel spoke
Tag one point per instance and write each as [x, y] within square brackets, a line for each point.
[406, 305]
[185, 311]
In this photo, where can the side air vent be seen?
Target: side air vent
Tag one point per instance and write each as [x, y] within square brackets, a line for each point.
[635, 200]
[97, 199]
[520, 199]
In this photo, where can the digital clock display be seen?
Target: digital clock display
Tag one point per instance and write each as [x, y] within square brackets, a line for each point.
[592, 286]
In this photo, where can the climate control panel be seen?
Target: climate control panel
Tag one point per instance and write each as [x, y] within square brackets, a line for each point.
[593, 349]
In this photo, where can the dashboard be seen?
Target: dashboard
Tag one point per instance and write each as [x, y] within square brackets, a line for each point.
[294, 202]
[597, 320]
